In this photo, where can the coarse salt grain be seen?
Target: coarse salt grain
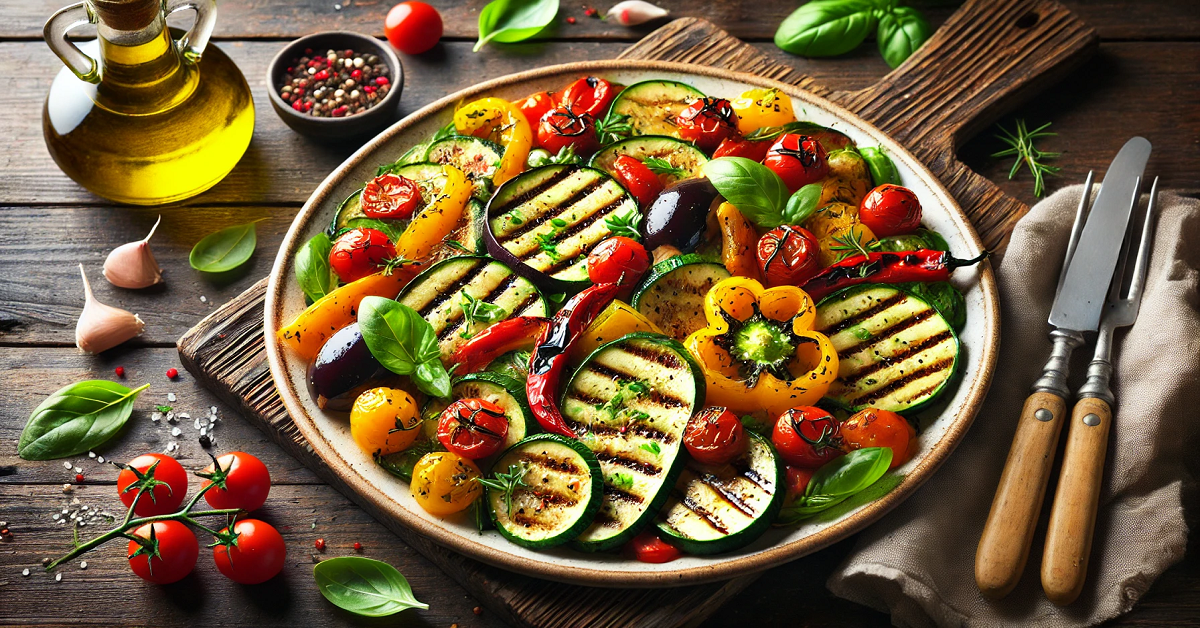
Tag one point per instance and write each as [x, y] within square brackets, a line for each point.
[100, 459]
[203, 299]
[58, 577]
[78, 469]
[91, 454]
[176, 431]
[170, 396]
[25, 572]
[184, 415]
[155, 416]
[83, 565]
[213, 410]
[67, 464]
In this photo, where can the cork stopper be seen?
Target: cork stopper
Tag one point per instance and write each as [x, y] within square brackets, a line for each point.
[126, 15]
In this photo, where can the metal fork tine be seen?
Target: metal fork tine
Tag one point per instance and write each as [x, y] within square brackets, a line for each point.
[1142, 264]
[1114, 288]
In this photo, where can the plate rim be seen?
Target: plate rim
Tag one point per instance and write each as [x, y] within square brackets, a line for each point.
[765, 559]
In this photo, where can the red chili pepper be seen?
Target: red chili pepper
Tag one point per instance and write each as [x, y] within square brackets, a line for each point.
[495, 341]
[899, 267]
[553, 346]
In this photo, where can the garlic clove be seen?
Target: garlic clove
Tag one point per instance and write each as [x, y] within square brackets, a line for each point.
[132, 265]
[102, 327]
[634, 12]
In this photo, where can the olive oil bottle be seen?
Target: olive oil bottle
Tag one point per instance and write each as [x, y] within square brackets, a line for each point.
[138, 117]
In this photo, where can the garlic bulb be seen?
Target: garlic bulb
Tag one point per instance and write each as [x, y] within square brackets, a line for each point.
[634, 12]
[133, 265]
[101, 326]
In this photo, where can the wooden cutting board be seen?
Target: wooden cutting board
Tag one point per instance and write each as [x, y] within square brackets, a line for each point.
[980, 64]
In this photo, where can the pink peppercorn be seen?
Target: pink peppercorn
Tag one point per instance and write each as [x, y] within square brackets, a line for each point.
[172, 373]
[381, 80]
[120, 370]
[570, 20]
[356, 74]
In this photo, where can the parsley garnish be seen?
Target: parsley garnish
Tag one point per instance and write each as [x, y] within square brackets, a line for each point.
[626, 225]
[652, 447]
[507, 482]
[623, 481]
[547, 244]
[628, 391]
[479, 311]
[558, 222]
[164, 409]
[658, 165]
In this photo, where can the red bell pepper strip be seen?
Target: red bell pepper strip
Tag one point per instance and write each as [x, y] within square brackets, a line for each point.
[553, 347]
[507, 335]
[898, 267]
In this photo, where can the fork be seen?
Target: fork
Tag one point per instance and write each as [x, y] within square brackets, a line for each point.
[1073, 515]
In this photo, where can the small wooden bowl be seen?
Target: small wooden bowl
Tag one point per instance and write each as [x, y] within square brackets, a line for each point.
[349, 127]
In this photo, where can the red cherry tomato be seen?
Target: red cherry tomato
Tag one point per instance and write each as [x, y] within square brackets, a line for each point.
[176, 548]
[797, 480]
[714, 436]
[735, 146]
[788, 255]
[881, 428]
[391, 196]
[168, 492]
[247, 482]
[618, 260]
[473, 428]
[536, 106]
[589, 95]
[798, 160]
[563, 126]
[807, 437]
[890, 210]
[648, 548]
[360, 252]
[413, 27]
[257, 555]
[638, 178]
[707, 122]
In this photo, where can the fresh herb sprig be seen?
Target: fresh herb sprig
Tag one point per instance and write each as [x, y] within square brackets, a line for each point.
[479, 311]
[625, 225]
[614, 127]
[658, 165]
[1021, 145]
[507, 483]
[849, 245]
[836, 481]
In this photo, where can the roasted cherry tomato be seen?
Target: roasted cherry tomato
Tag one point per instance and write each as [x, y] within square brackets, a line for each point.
[413, 27]
[762, 107]
[714, 436]
[535, 106]
[807, 437]
[738, 147]
[360, 252]
[788, 255]
[881, 428]
[638, 178]
[707, 122]
[618, 260]
[247, 482]
[798, 160]
[170, 485]
[473, 428]
[890, 210]
[564, 126]
[589, 95]
[648, 548]
[391, 196]
[384, 421]
[167, 555]
[257, 554]
[444, 483]
[797, 480]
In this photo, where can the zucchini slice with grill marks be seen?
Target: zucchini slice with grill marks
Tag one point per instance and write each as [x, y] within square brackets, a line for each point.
[653, 105]
[678, 153]
[499, 389]
[895, 351]
[558, 495]
[629, 403]
[672, 296]
[720, 508]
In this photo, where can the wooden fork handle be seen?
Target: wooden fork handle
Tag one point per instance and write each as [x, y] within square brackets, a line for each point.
[1008, 533]
[1073, 515]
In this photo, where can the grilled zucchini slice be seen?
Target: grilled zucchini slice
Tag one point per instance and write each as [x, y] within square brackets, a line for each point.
[558, 496]
[499, 389]
[653, 105]
[678, 153]
[895, 351]
[630, 402]
[672, 296]
[474, 156]
[720, 508]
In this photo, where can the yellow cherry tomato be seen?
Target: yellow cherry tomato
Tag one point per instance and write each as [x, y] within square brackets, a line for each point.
[384, 421]
[444, 483]
[498, 120]
[758, 108]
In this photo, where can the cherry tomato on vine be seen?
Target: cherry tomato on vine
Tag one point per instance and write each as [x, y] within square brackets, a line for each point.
[807, 437]
[707, 122]
[589, 95]
[360, 252]
[473, 428]
[169, 488]
[413, 27]
[788, 255]
[247, 482]
[714, 436]
[257, 555]
[648, 548]
[881, 428]
[890, 210]
[618, 260]
[170, 553]
[391, 196]
[563, 126]
[798, 160]
[638, 178]
[535, 106]
[736, 146]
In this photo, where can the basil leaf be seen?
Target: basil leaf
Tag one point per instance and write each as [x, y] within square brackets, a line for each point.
[313, 272]
[846, 475]
[753, 188]
[364, 587]
[944, 297]
[433, 379]
[826, 28]
[802, 204]
[75, 419]
[771, 132]
[224, 250]
[404, 343]
[901, 31]
[510, 21]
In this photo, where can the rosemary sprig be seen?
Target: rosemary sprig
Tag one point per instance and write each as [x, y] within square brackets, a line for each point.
[390, 265]
[507, 482]
[658, 165]
[1020, 144]
[626, 225]
[849, 245]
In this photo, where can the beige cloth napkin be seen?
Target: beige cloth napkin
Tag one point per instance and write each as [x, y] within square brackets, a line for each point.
[918, 562]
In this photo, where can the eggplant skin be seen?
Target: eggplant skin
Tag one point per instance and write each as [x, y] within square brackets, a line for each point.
[343, 364]
[679, 215]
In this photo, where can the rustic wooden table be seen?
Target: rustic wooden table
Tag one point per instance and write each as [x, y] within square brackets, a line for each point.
[1145, 80]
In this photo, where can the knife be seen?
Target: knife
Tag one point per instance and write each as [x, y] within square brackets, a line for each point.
[1008, 533]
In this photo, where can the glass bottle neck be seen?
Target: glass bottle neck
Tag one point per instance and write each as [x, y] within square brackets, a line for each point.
[142, 71]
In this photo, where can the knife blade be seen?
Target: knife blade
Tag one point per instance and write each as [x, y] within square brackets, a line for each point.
[1079, 302]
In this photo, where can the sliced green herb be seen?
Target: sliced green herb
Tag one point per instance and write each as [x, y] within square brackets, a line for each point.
[623, 481]
[547, 244]
[652, 447]
[164, 409]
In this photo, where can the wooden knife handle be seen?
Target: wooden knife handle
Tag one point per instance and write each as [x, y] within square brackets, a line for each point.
[1004, 546]
[1073, 515]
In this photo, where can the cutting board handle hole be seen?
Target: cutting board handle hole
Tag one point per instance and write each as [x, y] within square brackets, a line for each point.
[1028, 20]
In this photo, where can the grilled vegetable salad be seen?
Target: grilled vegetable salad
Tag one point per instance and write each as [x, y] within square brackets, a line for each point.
[635, 317]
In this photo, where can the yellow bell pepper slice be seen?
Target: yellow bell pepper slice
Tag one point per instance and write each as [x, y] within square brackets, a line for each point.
[437, 219]
[731, 350]
[498, 120]
[614, 321]
[739, 239]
